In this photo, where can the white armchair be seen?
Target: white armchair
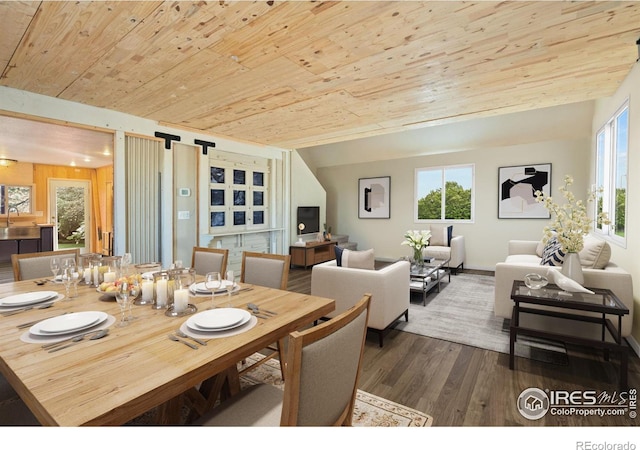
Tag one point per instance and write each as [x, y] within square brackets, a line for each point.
[389, 289]
[455, 251]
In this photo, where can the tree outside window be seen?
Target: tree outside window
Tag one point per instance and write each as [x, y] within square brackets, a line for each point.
[444, 193]
[612, 142]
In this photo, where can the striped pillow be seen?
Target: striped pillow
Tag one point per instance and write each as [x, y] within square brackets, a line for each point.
[552, 255]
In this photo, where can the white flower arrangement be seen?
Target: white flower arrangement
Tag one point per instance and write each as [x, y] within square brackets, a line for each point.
[570, 222]
[417, 240]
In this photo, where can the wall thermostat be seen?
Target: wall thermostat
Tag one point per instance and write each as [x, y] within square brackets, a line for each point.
[184, 192]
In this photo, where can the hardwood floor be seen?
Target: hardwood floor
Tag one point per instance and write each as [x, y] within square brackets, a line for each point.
[461, 385]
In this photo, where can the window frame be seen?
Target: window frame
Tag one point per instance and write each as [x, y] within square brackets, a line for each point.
[443, 170]
[607, 152]
[5, 203]
[238, 195]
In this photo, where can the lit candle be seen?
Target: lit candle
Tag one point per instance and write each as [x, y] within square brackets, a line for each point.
[180, 300]
[109, 277]
[147, 290]
[87, 275]
[161, 293]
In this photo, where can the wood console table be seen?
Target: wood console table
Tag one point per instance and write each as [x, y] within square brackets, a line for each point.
[312, 253]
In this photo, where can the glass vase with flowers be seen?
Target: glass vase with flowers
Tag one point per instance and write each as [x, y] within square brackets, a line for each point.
[570, 223]
[418, 240]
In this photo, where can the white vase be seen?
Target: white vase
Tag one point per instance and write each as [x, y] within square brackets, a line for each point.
[572, 268]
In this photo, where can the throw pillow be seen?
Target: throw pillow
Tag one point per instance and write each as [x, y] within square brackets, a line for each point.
[542, 245]
[552, 254]
[338, 255]
[441, 235]
[595, 254]
[355, 259]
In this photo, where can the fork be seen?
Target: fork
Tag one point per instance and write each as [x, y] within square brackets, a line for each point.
[184, 335]
[188, 344]
[28, 308]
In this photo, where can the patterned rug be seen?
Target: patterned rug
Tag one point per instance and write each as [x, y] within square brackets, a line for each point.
[369, 411]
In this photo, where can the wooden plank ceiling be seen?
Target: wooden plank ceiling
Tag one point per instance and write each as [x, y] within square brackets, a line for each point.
[297, 74]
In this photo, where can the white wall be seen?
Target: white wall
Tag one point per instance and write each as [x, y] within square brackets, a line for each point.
[36, 105]
[305, 191]
[605, 108]
[486, 238]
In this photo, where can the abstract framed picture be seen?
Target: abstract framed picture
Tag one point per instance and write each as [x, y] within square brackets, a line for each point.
[516, 191]
[373, 198]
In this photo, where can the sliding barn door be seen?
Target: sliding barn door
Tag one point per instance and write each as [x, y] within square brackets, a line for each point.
[143, 163]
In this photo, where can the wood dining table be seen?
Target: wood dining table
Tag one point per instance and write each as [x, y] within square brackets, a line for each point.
[135, 368]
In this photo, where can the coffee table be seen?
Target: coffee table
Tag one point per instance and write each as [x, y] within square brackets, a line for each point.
[603, 302]
[425, 279]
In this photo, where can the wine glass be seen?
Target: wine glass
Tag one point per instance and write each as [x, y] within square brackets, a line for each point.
[134, 291]
[123, 297]
[229, 286]
[67, 280]
[54, 264]
[212, 283]
[125, 261]
[71, 276]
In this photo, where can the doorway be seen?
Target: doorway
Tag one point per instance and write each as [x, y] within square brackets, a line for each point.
[70, 211]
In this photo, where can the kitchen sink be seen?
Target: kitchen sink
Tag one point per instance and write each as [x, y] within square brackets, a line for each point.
[11, 233]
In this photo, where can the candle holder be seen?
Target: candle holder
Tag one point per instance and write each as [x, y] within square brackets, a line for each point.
[190, 309]
[160, 290]
[146, 296]
[178, 289]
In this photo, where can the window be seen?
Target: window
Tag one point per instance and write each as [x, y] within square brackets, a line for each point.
[237, 196]
[444, 193]
[612, 143]
[16, 199]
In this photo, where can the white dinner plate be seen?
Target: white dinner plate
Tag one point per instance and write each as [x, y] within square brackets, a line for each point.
[69, 323]
[201, 288]
[218, 319]
[27, 298]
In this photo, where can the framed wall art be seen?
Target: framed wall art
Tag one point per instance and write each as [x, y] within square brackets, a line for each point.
[516, 191]
[373, 198]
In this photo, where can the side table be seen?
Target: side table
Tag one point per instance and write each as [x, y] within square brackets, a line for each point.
[602, 301]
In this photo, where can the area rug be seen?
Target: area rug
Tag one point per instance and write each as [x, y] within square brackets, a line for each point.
[462, 312]
[369, 411]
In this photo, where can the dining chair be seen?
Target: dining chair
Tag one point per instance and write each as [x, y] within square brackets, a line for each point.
[323, 368]
[205, 259]
[27, 266]
[269, 270]
[265, 269]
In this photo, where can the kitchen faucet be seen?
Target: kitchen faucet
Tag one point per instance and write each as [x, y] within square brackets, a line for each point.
[9, 214]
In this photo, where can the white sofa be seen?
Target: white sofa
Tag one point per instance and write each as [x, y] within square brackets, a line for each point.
[389, 289]
[523, 258]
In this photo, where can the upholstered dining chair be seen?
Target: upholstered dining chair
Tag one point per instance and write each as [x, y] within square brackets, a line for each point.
[265, 269]
[205, 259]
[27, 266]
[269, 270]
[320, 360]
